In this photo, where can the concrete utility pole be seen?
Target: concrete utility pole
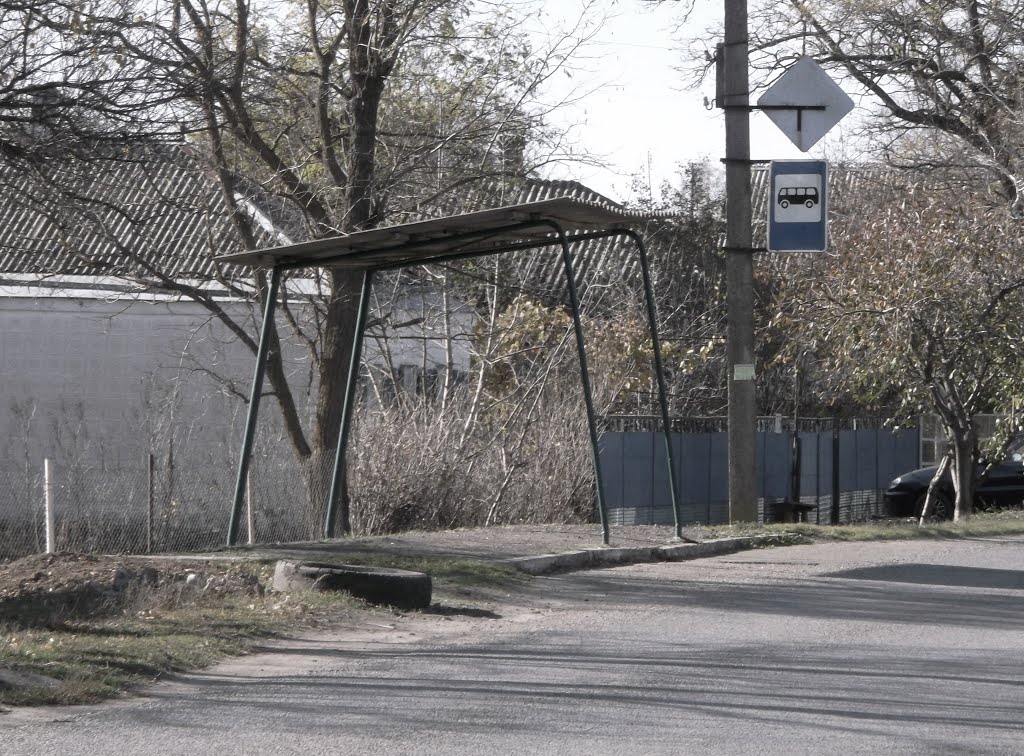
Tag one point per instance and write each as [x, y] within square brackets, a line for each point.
[735, 95]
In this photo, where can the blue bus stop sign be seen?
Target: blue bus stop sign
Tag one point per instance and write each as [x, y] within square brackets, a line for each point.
[798, 206]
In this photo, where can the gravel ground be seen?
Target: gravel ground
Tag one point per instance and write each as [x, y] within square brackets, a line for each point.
[496, 543]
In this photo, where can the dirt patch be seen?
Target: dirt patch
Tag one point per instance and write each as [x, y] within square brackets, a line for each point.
[47, 588]
[39, 588]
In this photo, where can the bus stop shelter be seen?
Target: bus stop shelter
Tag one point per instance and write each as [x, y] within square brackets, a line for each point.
[546, 226]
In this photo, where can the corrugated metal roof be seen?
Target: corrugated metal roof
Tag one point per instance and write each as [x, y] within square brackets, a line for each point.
[124, 214]
[596, 261]
[153, 207]
[484, 232]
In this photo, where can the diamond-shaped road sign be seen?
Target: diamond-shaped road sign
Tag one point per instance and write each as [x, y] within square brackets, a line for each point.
[795, 103]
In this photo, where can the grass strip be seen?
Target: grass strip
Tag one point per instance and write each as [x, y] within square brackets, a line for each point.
[72, 654]
[82, 661]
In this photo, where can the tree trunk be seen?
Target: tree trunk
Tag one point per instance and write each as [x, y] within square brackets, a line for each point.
[964, 464]
[933, 486]
[338, 334]
[317, 472]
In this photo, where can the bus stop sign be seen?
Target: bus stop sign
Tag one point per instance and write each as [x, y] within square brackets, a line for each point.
[798, 206]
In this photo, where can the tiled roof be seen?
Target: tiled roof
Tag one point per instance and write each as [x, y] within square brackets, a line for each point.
[132, 211]
[154, 207]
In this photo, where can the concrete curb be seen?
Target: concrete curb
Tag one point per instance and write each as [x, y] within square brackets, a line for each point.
[616, 556]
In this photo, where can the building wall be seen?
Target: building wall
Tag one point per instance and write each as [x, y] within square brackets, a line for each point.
[105, 375]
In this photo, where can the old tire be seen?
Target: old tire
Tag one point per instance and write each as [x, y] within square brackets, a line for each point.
[378, 585]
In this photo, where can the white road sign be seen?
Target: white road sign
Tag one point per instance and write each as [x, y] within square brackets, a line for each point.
[805, 85]
[798, 206]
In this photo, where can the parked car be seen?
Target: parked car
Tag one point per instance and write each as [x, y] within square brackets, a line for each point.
[1002, 487]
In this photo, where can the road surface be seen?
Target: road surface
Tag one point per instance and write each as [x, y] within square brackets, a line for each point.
[883, 648]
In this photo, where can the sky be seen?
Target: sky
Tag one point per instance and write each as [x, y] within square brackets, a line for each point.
[637, 113]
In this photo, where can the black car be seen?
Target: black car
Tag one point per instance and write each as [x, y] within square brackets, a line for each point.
[1002, 487]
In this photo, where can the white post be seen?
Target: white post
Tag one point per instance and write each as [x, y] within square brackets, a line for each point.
[48, 487]
[250, 516]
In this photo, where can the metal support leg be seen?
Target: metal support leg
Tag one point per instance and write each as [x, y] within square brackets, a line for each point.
[585, 376]
[652, 317]
[254, 405]
[338, 476]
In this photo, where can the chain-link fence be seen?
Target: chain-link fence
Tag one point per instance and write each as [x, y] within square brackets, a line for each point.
[407, 469]
[145, 508]
[415, 470]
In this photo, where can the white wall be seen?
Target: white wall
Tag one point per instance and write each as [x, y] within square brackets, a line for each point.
[102, 375]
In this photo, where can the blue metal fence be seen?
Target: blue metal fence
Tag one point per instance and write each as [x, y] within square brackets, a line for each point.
[637, 487]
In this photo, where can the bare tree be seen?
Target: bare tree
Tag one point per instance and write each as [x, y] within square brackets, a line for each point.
[65, 85]
[336, 116]
[943, 78]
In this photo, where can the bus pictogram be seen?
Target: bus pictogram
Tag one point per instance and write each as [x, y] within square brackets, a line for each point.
[797, 206]
[798, 195]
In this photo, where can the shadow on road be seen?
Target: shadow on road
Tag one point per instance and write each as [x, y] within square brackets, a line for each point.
[884, 599]
[937, 574]
[587, 678]
[506, 687]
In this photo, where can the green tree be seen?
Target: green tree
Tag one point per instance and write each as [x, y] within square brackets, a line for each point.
[922, 303]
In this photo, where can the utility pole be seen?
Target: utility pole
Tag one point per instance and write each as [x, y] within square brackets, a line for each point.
[734, 95]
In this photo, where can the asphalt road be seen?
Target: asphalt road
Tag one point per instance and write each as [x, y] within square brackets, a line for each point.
[896, 648]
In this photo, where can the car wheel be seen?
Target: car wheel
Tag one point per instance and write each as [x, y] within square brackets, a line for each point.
[784, 204]
[809, 204]
[942, 507]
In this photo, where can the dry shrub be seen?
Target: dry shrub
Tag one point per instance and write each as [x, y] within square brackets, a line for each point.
[418, 467]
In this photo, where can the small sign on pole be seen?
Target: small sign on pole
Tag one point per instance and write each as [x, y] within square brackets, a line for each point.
[798, 206]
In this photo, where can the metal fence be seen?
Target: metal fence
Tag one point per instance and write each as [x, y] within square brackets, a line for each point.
[144, 508]
[835, 476]
[163, 503]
